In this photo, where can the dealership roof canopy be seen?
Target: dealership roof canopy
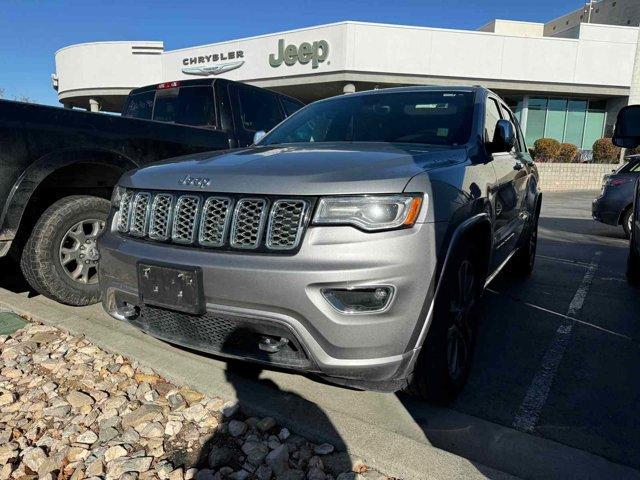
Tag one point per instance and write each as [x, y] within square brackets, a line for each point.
[326, 60]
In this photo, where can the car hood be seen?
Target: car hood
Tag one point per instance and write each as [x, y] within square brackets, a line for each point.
[307, 169]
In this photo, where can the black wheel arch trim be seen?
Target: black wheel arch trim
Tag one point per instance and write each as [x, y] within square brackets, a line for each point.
[32, 177]
[422, 326]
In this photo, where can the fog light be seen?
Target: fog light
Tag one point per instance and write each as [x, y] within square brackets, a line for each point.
[359, 300]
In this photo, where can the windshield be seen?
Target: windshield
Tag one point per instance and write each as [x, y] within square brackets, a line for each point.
[431, 117]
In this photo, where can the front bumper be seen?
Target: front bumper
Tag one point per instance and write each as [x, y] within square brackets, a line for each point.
[283, 293]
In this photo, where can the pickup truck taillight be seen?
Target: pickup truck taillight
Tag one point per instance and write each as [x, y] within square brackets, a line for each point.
[616, 182]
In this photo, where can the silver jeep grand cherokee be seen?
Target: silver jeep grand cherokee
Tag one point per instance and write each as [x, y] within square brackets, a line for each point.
[353, 241]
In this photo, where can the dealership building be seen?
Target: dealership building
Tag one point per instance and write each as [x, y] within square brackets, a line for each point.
[566, 82]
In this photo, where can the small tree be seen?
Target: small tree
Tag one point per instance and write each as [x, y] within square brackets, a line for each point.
[604, 151]
[546, 149]
[567, 153]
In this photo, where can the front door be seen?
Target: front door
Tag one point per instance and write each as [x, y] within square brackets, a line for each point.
[508, 191]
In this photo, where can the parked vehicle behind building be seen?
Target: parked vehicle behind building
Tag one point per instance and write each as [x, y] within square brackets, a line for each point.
[353, 241]
[627, 135]
[614, 205]
[58, 167]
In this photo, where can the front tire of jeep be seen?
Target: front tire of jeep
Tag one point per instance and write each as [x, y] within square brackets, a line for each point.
[444, 362]
[60, 259]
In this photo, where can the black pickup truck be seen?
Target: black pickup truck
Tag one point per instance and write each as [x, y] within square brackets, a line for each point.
[58, 167]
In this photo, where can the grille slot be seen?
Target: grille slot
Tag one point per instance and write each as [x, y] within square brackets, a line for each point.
[140, 214]
[285, 224]
[185, 218]
[160, 222]
[125, 211]
[216, 215]
[248, 223]
[227, 222]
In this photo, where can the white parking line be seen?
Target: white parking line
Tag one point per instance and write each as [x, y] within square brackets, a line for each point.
[534, 400]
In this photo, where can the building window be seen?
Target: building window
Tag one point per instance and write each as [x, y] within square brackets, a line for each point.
[614, 4]
[576, 121]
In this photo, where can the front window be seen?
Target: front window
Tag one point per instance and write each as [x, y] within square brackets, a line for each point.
[429, 117]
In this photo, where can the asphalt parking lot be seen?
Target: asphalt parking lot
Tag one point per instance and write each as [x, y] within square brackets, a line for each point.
[554, 388]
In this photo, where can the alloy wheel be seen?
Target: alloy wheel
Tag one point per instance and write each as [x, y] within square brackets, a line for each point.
[460, 332]
[79, 254]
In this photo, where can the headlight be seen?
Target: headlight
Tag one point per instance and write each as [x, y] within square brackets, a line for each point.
[116, 196]
[370, 213]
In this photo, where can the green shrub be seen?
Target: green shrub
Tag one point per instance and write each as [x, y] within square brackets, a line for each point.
[546, 149]
[604, 151]
[567, 153]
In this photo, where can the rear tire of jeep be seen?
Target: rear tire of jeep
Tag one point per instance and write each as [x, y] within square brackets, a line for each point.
[525, 258]
[59, 260]
[444, 362]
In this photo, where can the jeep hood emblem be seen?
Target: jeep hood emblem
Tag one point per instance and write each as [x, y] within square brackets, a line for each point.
[204, 71]
[188, 180]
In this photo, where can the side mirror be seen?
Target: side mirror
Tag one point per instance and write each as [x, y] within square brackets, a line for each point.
[504, 137]
[627, 133]
[259, 135]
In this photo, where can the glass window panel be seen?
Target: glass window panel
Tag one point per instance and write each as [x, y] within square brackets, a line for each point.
[536, 119]
[491, 119]
[593, 128]
[556, 118]
[575, 122]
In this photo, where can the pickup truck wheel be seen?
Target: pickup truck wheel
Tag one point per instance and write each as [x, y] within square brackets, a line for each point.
[445, 358]
[60, 259]
[633, 265]
[525, 258]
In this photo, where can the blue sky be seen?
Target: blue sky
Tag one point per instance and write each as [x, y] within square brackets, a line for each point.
[31, 31]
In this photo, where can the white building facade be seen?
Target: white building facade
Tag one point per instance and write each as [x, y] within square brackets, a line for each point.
[565, 88]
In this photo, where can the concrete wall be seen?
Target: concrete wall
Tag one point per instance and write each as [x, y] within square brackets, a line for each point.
[510, 27]
[556, 177]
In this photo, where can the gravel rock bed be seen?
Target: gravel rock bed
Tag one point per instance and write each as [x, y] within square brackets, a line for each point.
[69, 410]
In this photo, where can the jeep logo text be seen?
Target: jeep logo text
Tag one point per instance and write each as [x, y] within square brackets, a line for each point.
[188, 180]
[316, 53]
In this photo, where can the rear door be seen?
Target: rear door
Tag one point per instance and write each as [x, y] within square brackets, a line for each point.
[254, 109]
[508, 192]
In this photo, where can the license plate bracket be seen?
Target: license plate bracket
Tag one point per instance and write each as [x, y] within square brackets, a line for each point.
[168, 286]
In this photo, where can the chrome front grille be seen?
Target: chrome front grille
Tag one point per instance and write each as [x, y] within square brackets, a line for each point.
[140, 214]
[215, 221]
[248, 222]
[185, 219]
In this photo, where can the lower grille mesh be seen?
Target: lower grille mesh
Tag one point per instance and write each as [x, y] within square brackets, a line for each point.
[220, 333]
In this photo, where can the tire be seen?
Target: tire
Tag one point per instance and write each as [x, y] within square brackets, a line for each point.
[524, 260]
[64, 233]
[436, 376]
[633, 263]
[626, 221]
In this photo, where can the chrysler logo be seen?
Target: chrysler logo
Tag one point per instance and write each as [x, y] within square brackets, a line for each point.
[207, 70]
[188, 180]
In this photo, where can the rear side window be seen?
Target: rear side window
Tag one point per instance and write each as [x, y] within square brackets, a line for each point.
[186, 106]
[491, 119]
[290, 107]
[259, 110]
[139, 105]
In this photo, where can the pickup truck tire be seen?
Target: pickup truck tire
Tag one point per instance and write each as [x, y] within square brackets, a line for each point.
[525, 258]
[60, 260]
[627, 220]
[633, 266]
[445, 359]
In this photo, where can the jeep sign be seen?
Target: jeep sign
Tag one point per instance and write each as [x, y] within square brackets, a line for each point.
[316, 53]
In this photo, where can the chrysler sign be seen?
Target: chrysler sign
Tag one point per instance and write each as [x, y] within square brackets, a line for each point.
[213, 64]
[316, 53]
